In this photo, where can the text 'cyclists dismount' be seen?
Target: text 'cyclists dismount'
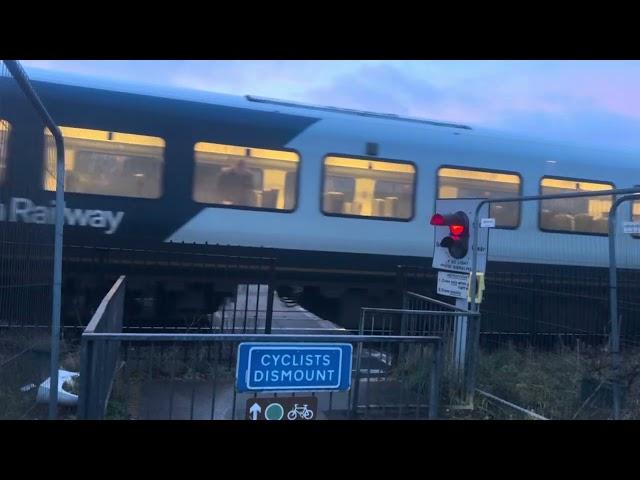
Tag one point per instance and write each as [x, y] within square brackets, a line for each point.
[282, 408]
[286, 367]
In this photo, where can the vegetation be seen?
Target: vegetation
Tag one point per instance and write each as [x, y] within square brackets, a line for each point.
[566, 383]
[176, 363]
[563, 384]
[24, 365]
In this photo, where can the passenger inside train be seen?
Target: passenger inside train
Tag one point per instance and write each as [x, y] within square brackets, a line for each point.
[235, 185]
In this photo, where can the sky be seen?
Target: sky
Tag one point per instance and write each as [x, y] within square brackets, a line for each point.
[590, 103]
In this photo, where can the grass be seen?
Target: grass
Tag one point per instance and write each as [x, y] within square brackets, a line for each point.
[567, 383]
[24, 361]
[413, 368]
[562, 384]
[173, 363]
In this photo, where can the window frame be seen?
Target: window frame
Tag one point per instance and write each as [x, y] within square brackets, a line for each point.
[245, 207]
[635, 236]
[3, 178]
[571, 179]
[373, 159]
[485, 170]
[161, 180]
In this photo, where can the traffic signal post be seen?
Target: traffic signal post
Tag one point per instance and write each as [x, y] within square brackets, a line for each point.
[453, 231]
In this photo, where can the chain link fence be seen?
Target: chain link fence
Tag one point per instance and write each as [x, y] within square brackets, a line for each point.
[27, 251]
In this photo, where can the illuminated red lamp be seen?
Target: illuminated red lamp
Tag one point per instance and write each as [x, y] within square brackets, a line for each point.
[456, 230]
[437, 219]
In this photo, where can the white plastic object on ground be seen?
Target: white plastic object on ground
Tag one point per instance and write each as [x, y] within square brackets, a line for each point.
[64, 397]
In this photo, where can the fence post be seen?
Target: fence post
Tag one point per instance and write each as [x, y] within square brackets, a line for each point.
[270, 295]
[436, 378]
[473, 359]
[613, 304]
[86, 361]
[21, 78]
[356, 387]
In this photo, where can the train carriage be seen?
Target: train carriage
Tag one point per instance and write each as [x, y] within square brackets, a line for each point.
[339, 198]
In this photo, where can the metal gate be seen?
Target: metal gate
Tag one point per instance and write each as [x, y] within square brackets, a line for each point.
[30, 249]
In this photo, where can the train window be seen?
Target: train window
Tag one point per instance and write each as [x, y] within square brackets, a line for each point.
[576, 215]
[5, 129]
[467, 183]
[245, 177]
[635, 213]
[368, 188]
[109, 163]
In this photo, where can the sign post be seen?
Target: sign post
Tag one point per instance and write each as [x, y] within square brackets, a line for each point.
[452, 252]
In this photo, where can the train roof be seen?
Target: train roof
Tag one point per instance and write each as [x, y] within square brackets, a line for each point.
[390, 123]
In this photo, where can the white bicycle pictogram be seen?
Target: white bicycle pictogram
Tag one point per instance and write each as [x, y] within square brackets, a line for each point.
[302, 412]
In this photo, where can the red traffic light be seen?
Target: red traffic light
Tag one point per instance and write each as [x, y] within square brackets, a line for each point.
[456, 229]
[456, 222]
[437, 219]
[458, 240]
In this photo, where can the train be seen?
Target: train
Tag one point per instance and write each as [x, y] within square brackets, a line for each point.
[339, 198]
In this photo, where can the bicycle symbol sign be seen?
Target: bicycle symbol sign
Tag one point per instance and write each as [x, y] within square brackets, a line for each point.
[282, 408]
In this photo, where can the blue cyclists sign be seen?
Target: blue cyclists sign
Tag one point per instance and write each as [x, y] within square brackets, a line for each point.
[293, 366]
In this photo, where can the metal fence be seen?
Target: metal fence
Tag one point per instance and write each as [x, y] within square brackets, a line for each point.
[192, 376]
[425, 316]
[208, 291]
[549, 340]
[30, 249]
[98, 360]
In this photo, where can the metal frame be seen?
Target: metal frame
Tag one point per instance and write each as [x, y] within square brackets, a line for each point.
[513, 406]
[20, 76]
[94, 392]
[630, 194]
[474, 256]
[95, 385]
[613, 302]
[460, 370]
[100, 351]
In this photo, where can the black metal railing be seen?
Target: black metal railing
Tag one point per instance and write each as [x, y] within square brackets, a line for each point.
[192, 376]
[99, 360]
[425, 316]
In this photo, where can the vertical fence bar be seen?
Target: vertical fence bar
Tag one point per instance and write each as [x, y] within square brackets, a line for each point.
[16, 70]
[270, 295]
[356, 387]
[86, 361]
[613, 303]
[436, 377]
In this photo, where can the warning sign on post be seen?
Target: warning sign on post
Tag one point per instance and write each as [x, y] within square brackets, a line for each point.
[457, 285]
[453, 284]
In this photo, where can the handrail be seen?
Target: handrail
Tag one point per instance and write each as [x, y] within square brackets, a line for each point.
[420, 312]
[99, 313]
[257, 337]
[439, 302]
[511, 405]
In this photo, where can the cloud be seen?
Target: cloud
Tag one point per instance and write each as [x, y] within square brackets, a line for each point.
[590, 128]
[577, 101]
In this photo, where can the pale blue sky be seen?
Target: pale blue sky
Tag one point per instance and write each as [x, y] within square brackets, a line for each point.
[594, 103]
